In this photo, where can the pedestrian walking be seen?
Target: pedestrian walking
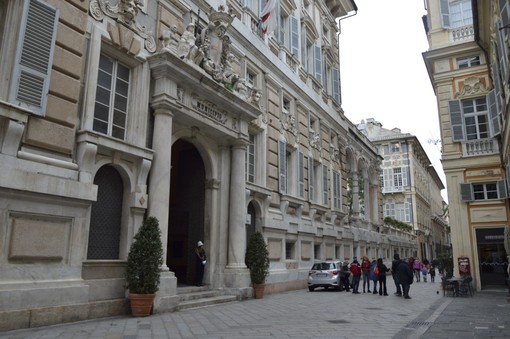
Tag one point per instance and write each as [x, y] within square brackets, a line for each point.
[432, 271]
[417, 266]
[394, 264]
[382, 277]
[356, 275]
[424, 273]
[405, 277]
[365, 270]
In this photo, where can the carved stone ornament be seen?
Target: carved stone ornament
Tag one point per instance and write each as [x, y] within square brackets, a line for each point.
[124, 12]
[315, 140]
[472, 86]
[288, 123]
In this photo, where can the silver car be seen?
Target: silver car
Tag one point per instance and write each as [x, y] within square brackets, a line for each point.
[328, 274]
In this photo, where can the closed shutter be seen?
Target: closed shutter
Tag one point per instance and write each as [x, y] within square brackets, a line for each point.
[498, 85]
[325, 188]
[317, 55]
[311, 179]
[493, 113]
[502, 53]
[282, 166]
[445, 14]
[466, 192]
[301, 174]
[504, 10]
[456, 120]
[34, 56]
[502, 191]
[335, 76]
[294, 36]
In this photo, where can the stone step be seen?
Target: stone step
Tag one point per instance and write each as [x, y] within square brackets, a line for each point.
[199, 295]
[202, 302]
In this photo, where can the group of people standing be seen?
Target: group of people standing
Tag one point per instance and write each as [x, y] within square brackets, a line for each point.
[403, 273]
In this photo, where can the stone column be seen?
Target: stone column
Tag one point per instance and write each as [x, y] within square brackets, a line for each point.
[159, 187]
[237, 213]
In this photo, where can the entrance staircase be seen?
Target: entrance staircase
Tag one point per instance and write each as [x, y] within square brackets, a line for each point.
[201, 296]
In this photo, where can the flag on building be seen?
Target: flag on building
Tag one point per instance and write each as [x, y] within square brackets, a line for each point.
[269, 16]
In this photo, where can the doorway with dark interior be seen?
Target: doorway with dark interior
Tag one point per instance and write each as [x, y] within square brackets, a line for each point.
[186, 210]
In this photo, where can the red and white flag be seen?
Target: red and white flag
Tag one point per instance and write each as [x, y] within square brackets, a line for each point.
[268, 17]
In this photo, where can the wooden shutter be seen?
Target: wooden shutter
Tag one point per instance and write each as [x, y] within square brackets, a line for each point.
[498, 85]
[317, 56]
[282, 166]
[502, 53]
[466, 192]
[301, 174]
[502, 190]
[456, 120]
[325, 188]
[335, 76]
[294, 36]
[445, 13]
[34, 56]
[493, 113]
[311, 179]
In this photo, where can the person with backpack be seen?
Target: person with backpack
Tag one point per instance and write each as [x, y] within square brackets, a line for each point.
[372, 276]
[365, 269]
[380, 272]
[356, 275]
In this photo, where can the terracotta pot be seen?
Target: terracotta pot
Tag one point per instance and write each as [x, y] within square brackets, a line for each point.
[141, 304]
[258, 290]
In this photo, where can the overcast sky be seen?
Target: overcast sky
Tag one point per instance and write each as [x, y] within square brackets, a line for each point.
[383, 75]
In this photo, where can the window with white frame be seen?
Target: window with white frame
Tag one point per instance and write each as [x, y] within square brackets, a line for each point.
[289, 170]
[250, 159]
[294, 36]
[395, 147]
[401, 211]
[317, 57]
[335, 84]
[469, 61]
[111, 104]
[473, 119]
[484, 191]
[456, 13]
[34, 52]
[283, 30]
[395, 179]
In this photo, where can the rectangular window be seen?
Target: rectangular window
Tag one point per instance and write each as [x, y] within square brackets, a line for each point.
[317, 251]
[282, 166]
[317, 56]
[468, 61]
[294, 36]
[289, 250]
[397, 178]
[395, 147]
[475, 118]
[282, 31]
[250, 160]
[110, 110]
[484, 191]
[461, 13]
[335, 76]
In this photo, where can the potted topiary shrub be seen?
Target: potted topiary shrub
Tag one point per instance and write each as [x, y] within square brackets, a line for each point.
[144, 266]
[257, 260]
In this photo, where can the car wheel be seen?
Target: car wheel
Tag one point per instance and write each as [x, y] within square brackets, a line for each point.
[311, 289]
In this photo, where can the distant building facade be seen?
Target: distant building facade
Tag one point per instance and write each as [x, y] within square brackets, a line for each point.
[467, 63]
[182, 110]
[411, 187]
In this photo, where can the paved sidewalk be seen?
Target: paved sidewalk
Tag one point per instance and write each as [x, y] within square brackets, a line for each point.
[319, 314]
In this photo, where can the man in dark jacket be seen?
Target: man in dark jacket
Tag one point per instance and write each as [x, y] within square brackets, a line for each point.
[394, 264]
[405, 277]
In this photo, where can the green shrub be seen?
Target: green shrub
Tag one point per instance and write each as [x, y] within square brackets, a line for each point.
[257, 258]
[145, 259]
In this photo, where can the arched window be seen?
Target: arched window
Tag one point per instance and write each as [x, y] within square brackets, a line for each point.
[105, 220]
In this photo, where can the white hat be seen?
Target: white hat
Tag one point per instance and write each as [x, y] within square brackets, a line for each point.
[200, 243]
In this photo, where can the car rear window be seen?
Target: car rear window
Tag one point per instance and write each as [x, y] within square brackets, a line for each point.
[323, 266]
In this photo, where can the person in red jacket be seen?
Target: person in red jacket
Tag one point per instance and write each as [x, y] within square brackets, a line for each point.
[365, 270]
[356, 275]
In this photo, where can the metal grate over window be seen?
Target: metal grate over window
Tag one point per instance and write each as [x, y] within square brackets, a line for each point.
[105, 221]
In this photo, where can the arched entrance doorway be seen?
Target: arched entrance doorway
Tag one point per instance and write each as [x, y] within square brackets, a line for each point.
[186, 210]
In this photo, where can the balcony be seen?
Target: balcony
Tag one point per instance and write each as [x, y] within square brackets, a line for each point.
[461, 34]
[479, 147]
